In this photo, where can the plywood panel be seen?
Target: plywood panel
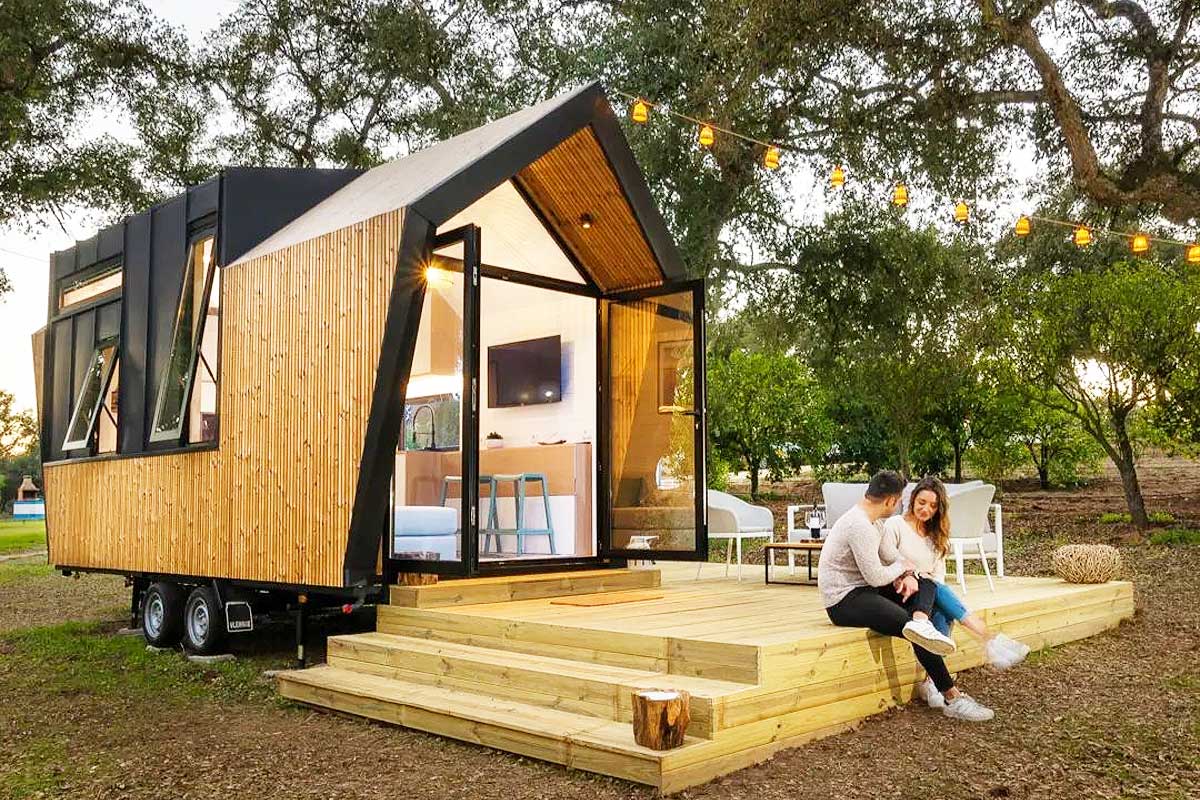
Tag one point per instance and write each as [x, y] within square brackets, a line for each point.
[301, 331]
[575, 179]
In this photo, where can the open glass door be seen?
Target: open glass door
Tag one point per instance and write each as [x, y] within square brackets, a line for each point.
[653, 435]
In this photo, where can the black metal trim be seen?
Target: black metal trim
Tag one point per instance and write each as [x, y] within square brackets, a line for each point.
[514, 567]
[516, 276]
[174, 451]
[562, 243]
[313, 589]
[472, 253]
[369, 518]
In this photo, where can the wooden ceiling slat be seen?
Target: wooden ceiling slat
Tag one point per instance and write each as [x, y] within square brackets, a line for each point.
[575, 179]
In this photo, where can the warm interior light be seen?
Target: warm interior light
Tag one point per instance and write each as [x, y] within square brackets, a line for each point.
[838, 177]
[435, 276]
[771, 158]
[1023, 226]
[1193, 253]
[961, 212]
[900, 195]
[1082, 236]
[640, 113]
[706, 136]
[1140, 243]
[586, 221]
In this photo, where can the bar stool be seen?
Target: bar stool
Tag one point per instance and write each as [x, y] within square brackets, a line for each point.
[491, 530]
[519, 482]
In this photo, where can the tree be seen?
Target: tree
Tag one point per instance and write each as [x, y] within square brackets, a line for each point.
[18, 429]
[1110, 342]
[766, 410]
[62, 61]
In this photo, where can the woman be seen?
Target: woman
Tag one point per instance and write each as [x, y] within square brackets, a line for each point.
[922, 535]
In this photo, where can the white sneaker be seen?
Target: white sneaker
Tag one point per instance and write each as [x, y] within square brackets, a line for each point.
[922, 633]
[1003, 652]
[966, 708]
[927, 691]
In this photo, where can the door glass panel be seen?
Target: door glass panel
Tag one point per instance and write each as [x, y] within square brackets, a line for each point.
[427, 485]
[652, 423]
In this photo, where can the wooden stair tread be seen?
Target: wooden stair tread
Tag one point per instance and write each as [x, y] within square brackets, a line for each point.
[585, 670]
[481, 708]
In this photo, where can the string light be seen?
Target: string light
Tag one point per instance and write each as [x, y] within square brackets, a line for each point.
[900, 195]
[707, 137]
[1140, 243]
[962, 213]
[838, 178]
[1023, 226]
[1193, 253]
[640, 112]
[1082, 236]
[771, 158]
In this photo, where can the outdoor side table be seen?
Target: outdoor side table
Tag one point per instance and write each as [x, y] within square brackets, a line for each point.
[810, 547]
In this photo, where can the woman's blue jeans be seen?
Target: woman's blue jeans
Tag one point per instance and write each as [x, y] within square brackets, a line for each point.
[947, 609]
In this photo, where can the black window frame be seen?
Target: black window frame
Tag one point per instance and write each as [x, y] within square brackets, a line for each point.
[179, 435]
[87, 444]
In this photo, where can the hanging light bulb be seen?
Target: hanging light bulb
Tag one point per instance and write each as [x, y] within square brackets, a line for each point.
[771, 157]
[900, 195]
[1023, 226]
[962, 213]
[838, 177]
[706, 136]
[1082, 236]
[1140, 243]
[1193, 253]
[640, 112]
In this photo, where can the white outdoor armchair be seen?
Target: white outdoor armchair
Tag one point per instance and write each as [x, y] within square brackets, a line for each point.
[971, 535]
[734, 519]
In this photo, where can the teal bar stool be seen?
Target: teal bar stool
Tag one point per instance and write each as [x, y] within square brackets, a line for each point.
[491, 531]
[519, 481]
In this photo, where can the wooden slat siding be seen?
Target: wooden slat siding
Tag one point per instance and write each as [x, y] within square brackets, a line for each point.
[301, 332]
[573, 179]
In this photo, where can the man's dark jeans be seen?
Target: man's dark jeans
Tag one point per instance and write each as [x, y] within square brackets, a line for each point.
[884, 612]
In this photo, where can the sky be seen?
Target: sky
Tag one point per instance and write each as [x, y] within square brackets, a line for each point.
[25, 251]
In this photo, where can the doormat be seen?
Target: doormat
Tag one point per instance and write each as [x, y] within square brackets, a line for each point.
[606, 599]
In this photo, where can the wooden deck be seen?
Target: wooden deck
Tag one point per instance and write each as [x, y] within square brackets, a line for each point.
[497, 662]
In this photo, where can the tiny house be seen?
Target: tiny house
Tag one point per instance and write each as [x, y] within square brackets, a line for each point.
[289, 387]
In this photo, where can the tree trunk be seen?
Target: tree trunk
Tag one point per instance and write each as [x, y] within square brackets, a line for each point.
[1043, 469]
[754, 467]
[957, 463]
[1127, 467]
[902, 448]
[660, 718]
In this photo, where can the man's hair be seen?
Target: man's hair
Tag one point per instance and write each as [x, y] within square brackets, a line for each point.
[884, 484]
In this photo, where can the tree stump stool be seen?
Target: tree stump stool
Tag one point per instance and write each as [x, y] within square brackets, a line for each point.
[660, 718]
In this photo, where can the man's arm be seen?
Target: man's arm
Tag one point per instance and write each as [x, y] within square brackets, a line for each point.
[864, 544]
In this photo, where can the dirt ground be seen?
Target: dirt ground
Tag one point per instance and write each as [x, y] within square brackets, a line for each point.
[84, 714]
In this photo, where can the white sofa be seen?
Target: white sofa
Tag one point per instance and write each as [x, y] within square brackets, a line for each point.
[734, 519]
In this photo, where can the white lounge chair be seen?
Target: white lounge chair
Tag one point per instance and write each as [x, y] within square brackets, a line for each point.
[734, 519]
[971, 535]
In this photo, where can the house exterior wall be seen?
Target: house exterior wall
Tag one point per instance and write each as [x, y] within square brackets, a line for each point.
[301, 332]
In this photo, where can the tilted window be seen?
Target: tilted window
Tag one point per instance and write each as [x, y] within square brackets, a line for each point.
[94, 399]
[187, 392]
[94, 285]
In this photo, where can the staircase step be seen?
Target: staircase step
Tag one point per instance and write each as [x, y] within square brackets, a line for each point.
[472, 591]
[573, 740]
[597, 690]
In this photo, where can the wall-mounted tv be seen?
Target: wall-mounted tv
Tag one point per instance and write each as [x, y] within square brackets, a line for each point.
[525, 373]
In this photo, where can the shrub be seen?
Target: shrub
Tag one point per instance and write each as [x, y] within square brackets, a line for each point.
[1157, 517]
[1176, 537]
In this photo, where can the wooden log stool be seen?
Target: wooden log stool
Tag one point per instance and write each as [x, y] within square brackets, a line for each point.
[660, 718]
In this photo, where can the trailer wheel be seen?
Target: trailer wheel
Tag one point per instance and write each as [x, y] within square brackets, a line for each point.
[162, 614]
[203, 622]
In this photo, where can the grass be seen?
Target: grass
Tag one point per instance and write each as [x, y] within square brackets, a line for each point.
[11, 573]
[1157, 517]
[1176, 537]
[21, 536]
[78, 658]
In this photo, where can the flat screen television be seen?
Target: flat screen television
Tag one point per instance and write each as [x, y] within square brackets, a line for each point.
[525, 373]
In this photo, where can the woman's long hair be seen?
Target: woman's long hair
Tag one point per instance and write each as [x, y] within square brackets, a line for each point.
[937, 529]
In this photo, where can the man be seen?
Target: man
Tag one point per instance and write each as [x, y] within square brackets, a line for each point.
[860, 591]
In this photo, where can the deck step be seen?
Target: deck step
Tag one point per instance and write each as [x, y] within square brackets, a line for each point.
[582, 687]
[574, 740]
[472, 591]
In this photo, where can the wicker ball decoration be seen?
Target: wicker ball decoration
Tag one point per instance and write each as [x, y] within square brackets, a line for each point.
[1087, 563]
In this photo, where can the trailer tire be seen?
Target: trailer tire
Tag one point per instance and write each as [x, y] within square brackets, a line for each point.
[203, 622]
[162, 614]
